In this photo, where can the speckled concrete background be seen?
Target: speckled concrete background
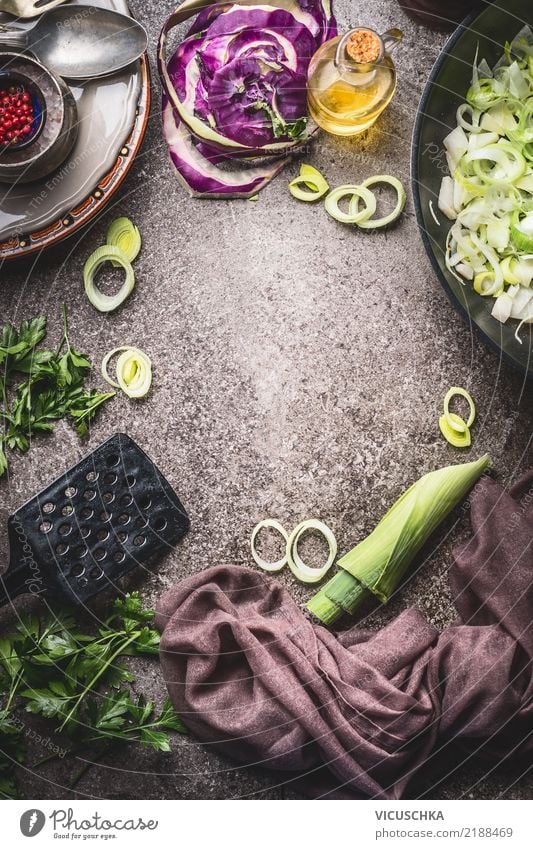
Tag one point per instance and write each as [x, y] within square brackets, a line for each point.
[299, 367]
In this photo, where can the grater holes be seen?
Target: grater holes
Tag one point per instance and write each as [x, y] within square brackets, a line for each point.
[122, 536]
[45, 527]
[130, 480]
[123, 519]
[108, 497]
[70, 492]
[140, 522]
[61, 548]
[86, 512]
[64, 529]
[67, 510]
[49, 507]
[145, 502]
[77, 570]
[89, 494]
[99, 553]
[110, 478]
[83, 582]
[139, 540]
[80, 551]
[118, 556]
[102, 534]
[160, 524]
[112, 459]
[105, 516]
[85, 531]
[96, 573]
[126, 500]
[91, 477]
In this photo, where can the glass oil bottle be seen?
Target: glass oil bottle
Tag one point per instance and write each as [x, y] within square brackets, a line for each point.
[351, 80]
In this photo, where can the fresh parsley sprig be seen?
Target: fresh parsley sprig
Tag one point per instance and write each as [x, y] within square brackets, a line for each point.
[78, 681]
[53, 388]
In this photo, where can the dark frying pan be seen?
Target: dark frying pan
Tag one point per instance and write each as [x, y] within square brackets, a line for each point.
[444, 91]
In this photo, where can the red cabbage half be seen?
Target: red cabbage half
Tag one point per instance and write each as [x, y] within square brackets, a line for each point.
[236, 88]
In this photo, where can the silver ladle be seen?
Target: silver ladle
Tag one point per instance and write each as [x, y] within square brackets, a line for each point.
[80, 42]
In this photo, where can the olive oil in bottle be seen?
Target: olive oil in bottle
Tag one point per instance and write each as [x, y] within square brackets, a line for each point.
[351, 80]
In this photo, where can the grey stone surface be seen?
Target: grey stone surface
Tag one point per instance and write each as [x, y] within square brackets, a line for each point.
[299, 367]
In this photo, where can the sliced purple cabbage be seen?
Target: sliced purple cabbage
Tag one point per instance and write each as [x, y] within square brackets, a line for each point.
[235, 89]
[198, 167]
[242, 100]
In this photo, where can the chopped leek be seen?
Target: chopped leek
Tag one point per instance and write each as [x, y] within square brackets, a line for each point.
[453, 428]
[305, 573]
[354, 215]
[125, 235]
[133, 371]
[316, 184]
[507, 163]
[485, 284]
[485, 93]
[522, 231]
[471, 126]
[451, 393]
[102, 302]
[375, 223]
[265, 564]
[378, 564]
[433, 215]
[504, 304]
[446, 201]
[455, 431]
[489, 193]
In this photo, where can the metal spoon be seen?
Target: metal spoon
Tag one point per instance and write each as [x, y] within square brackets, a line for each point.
[28, 8]
[81, 42]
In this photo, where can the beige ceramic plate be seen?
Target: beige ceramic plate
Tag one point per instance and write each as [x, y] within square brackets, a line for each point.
[113, 114]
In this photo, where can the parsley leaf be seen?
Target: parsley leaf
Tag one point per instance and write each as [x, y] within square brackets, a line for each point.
[78, 683]
[53, 388]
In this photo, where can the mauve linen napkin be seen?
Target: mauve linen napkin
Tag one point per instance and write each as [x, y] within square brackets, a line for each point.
[251, 675]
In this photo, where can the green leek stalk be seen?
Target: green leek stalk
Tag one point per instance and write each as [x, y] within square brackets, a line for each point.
[379, 562]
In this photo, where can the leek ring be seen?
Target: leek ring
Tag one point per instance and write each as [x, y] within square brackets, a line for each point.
[353, 216]
[133, 371]
[314, 181]
[456, 422]
[305, 573]
[369, 223]
[451, 433]
[265, 564]
[123, 234]
[102, 302]
[485, 284]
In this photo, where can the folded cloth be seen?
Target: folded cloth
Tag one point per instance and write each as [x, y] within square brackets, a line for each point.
[251, 675]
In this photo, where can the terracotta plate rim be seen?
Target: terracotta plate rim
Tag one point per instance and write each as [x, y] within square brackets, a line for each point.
[20, 246]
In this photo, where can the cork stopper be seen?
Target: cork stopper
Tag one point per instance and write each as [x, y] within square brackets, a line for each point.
[363, 46]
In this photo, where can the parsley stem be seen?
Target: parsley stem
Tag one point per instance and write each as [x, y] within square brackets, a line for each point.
[79, 775]
[73, 783]
[52, 757]
[125, 735]
[106, 638]
[134, 636]
[155, 724]
[64, 338]
[13, 689]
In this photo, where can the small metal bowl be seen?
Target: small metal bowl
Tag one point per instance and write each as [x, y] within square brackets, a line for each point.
[8, 79]
[47, 149]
